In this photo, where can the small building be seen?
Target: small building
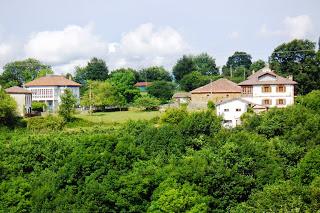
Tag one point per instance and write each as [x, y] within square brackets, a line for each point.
[267, 88]
[23, 98]
[142, 86]
[48, 89]
[181, 97]
[216, 91]
[232, 109]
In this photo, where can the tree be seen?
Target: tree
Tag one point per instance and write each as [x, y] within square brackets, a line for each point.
[184, 65]
[7, 108]
[96, 69]
[44, 72]
[162, 89]
[205, 64]
[257, 65]
[147, 103]
[19, 72]
[123, 80]
[68, 102]
[193, 80]
[154, 74]
[298, 58]
[237, 65]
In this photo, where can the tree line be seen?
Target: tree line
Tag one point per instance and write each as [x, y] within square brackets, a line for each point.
[298, 58]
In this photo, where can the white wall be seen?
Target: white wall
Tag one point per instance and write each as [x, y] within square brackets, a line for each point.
[23, 104]
[258, 95]
[231, 115]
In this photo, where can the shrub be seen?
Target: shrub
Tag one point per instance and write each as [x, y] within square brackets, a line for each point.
[45, 123]
[147, 103]
[7, 109]
[174, 115]
[68, 102]
[39, 106]
[162, 89]
[211, 105]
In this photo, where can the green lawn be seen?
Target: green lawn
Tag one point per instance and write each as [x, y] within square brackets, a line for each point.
[118, 117]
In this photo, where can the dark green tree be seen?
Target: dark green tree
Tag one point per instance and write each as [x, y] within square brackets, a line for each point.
[184, 66]
[162, 89]
[19, 72]
[193, 80]
[205, 64]
[298, 58]
[257, 65]
[7, 108]
[154, 74]
[239, 59]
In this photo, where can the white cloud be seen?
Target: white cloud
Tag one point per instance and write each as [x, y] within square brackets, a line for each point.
[60, 47]
[234, 35]
[7, 53]
[293, 27]
[147, 45]
[69, 67]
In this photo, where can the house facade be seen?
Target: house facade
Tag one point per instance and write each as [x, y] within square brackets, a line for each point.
[181, 98]
[23, 99]
[48, 89]
[232, 109]
[268, 89]
[216, 91]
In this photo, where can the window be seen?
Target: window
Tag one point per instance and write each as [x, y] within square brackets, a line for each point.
[281, 88]
[266, 102]
[226, 110]
[247, 90]
[281, 101]
[238, 110]
[266, 88]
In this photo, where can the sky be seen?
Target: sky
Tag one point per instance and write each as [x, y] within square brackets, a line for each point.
[142, 33]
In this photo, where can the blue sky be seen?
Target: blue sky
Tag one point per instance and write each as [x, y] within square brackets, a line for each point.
[140, 33]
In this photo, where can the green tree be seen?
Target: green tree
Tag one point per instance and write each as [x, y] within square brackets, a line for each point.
[298, 58]
[154, 74]
[193, 80]
[68, 102]
[237, 64]
[162, 89]
[7, 108]
[257, 65]
[205, 64]
[147, 103]
[184, 65]
[19, 72]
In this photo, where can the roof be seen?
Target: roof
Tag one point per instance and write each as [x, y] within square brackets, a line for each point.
[254, 78]
[181, 95]
[52, 80]
[17, 90]
[233, 99]
[255, 106]
[221, 85]
[142, 84]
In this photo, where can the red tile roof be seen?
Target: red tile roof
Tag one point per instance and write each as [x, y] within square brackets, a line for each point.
[181, 95]
[221, 85]
[254, 78]
[52, 80]
[142, 84]
[17, 90]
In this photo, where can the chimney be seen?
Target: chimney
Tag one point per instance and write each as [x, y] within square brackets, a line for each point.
[290, 77]
[253, 71]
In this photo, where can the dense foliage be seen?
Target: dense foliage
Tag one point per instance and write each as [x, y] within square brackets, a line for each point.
[185, 162]
[8, 108]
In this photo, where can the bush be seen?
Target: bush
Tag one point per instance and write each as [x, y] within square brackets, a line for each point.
[39, 106]
[147, 103]
[45, 123]
[211, 105]
[174, 115]
[7, 109]
[162, 89]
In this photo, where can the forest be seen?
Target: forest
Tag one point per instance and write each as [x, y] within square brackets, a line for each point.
[179, 162]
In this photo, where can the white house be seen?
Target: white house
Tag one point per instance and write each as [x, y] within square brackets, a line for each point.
[268, 89]
[49, 88]
[23, 98]
[231, 111]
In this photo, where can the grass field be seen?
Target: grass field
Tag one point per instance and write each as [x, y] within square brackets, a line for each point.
[118, 117]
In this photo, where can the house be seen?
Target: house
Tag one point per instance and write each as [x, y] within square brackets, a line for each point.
[49, 88]
[216, 91]
[181, 97]
[268, 89]
[142, 86]
[232, 109]
[23, 98]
